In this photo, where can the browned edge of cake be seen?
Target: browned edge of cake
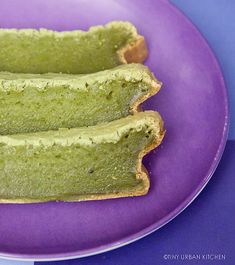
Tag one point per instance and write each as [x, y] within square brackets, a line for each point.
[134, 52]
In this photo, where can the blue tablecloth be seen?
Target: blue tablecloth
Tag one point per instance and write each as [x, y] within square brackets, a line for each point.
[205, 232]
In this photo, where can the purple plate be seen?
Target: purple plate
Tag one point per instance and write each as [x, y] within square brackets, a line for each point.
[193, 103]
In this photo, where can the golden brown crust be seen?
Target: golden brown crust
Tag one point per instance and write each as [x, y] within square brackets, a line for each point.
[136, 105]
[134, 52]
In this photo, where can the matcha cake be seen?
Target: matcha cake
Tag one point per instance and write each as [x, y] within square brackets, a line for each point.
[34, 102]
[89, 163]
[75, 52]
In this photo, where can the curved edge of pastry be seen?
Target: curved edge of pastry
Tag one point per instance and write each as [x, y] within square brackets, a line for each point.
[155, 86]
[134, 52]
[141, 173]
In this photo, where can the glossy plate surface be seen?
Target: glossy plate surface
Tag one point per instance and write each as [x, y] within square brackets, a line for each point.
[193, 103]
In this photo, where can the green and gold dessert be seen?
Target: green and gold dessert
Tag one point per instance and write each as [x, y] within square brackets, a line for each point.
[34, 102]
[76, 52]
[97, 162]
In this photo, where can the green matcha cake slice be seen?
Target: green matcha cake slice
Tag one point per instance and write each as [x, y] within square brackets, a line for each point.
[89, 163]
[34, 102]
[76, 52]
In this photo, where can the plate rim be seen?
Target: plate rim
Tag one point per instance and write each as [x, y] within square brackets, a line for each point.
[180, 208]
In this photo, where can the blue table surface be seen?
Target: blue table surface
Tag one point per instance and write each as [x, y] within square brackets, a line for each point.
[215, 19]
[207, 227]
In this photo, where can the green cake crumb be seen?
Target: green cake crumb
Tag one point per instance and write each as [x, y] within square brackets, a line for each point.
[41, 102]
[101, 161]
[75, 52]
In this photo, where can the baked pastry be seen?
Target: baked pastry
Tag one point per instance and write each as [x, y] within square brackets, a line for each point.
[89, 163]
[76, 52]
[34, 102]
